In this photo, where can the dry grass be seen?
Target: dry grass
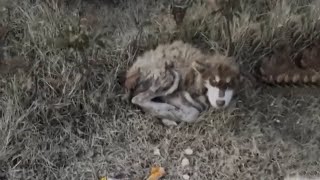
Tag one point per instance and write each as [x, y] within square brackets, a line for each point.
[63, 118]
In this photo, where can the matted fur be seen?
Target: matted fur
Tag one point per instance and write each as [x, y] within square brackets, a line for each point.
[152, 64]
[184, 58]
[195, 69]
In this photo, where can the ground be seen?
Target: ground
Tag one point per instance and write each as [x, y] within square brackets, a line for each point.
[63, 116]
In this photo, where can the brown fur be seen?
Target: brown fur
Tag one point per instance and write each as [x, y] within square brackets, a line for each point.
[281, 69]
[193, 66]
[310, 58]
[169, 81]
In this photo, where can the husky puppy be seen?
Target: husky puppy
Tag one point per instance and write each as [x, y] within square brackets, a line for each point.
[177, 82]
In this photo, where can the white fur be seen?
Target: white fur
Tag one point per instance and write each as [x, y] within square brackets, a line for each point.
[213, 95]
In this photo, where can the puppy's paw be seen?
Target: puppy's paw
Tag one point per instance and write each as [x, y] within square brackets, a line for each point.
[169, 123]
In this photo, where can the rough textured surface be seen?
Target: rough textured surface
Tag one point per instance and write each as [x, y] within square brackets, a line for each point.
[63, 117]
[281, 68]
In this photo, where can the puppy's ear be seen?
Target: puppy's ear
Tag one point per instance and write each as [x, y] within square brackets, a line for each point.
[199, 66]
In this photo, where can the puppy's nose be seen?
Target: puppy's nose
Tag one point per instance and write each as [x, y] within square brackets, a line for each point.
[220, 103]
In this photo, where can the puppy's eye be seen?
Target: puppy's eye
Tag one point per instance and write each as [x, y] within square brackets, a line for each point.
[213, 81]
[205, 90]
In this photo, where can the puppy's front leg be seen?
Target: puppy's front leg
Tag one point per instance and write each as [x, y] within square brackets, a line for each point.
[164, 110]
[193, 102]
[186, 104]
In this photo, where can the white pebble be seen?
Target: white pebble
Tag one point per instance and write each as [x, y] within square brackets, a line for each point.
[156, 151]
[188, 151]
[186, 176]
[185, 162]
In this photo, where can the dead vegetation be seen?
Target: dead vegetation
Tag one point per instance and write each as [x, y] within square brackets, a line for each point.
[62, 116]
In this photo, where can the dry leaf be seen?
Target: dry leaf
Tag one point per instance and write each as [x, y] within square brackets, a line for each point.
[156, 173]
[104, 178]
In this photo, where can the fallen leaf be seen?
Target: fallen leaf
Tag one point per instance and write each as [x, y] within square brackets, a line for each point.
[103, 178]
[156, 173]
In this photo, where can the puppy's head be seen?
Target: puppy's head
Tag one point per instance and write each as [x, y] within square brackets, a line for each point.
[220, 76]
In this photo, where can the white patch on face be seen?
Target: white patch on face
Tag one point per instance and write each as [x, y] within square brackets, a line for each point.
[213, 95]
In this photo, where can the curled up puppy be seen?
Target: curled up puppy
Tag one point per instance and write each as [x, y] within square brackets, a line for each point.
[176, 82]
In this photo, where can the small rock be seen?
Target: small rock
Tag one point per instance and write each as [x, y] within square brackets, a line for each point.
[185, 162]
[156, 151]
[186, 176]
[188, 151]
